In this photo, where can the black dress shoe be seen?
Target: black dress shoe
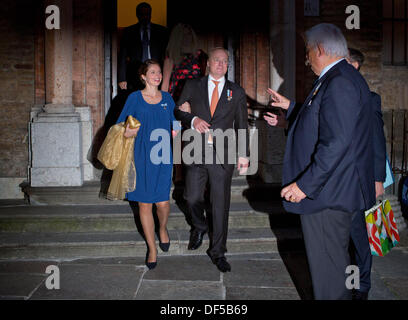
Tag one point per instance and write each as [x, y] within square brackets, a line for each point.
[359, 295]
[196, 239]
[164, 246]
[222, 264]
[150, 265]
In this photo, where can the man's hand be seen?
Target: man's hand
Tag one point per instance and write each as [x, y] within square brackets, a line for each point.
[379, 189]
[200, 125]
[292, 193]
[185, 107]
[130, 132]
[278, 100]
[276, 120]
[242, 166]
[123, 85]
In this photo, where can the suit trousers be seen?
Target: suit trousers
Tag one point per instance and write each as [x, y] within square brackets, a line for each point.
[326, 235]
[361, 250]
[219, 178]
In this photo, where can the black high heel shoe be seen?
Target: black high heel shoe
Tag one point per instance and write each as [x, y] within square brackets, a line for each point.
[164, 246]
[150, 265]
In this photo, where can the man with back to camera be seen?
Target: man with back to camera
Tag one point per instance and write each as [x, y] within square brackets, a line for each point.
[362, 251]
[328, 172]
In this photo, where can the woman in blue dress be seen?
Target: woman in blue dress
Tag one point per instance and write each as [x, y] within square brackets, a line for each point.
[153, 155]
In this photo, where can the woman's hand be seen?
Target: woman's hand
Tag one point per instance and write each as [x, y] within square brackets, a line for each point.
[129, 133]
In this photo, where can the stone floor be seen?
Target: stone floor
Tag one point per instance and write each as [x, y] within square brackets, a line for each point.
[281, 275]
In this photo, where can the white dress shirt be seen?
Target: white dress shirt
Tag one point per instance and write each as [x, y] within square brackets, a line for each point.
[211, 87]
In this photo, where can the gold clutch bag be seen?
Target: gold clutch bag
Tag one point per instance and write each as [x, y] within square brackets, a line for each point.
[117, 154]
[132, 122]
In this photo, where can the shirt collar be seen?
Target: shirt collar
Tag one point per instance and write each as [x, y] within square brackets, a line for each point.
[221, 80]
[147, 27]
[327, 68]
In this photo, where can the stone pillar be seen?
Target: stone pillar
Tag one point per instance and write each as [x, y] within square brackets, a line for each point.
[56, 131]
[282, 40]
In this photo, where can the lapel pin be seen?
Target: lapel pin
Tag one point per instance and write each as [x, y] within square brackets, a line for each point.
[314, 93]
[229, 95]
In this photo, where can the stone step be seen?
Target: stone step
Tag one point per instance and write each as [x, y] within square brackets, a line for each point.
[89, 193]
[119, 218]
[68, 246]
[114, 222]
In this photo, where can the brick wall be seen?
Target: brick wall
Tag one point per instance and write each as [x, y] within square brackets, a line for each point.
[16, 84]
[390, 82]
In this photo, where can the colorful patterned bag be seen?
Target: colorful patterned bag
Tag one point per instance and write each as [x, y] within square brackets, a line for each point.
[381, 229]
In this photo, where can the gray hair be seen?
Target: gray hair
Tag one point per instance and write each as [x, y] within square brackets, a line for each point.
[329, 37]
[211, 52]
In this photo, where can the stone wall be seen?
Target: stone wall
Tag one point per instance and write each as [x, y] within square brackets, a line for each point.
[22, 77]
[87, 56]
[391, 82]
[16, 89]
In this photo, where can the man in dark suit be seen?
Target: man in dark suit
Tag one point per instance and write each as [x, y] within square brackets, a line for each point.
[141, 41]
[361, 246]
[328, 171]
[220, 105]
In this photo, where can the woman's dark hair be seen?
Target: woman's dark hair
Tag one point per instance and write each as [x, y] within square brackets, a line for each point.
[145, 66]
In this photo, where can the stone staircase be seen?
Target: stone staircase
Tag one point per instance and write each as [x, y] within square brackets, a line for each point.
[72, 223]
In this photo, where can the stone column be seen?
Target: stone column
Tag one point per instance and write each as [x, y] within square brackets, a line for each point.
[282, 39]
[58, 61]
[56, 132]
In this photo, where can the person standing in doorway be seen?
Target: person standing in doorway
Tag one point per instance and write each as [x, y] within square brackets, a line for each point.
[184, 60]
[141, 41]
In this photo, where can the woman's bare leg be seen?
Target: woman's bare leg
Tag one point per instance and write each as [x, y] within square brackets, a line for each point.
[163, 212]
[146, 218]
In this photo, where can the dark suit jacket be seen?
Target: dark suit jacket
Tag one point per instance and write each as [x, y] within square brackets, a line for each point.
[329, 151]
[130, 54]
[379, 145]
[229, 114]
[378, 139]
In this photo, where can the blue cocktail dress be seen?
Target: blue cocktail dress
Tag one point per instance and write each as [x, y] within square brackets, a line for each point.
[153, 154]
